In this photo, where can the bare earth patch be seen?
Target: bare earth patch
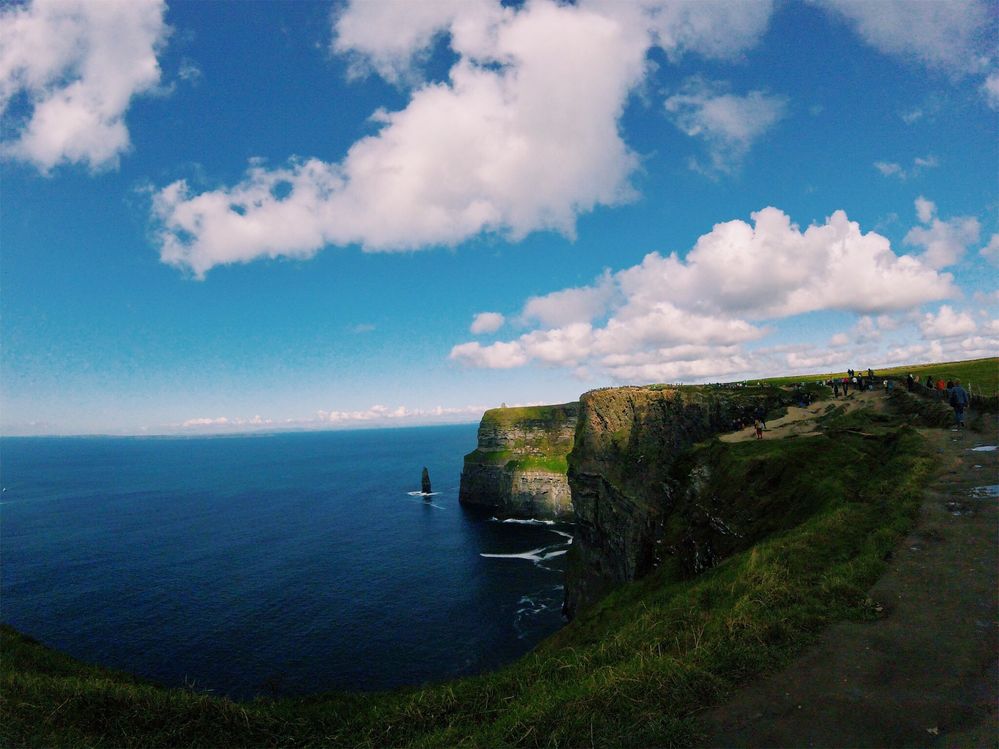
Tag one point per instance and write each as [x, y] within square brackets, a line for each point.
[803, 421]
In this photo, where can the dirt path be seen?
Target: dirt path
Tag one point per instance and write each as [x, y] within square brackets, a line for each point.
[802, 421]
[926, 673]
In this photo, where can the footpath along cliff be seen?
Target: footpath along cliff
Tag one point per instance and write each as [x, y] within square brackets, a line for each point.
[519, 467]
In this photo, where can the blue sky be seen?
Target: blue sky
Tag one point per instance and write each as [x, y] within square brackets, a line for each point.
[237, 216]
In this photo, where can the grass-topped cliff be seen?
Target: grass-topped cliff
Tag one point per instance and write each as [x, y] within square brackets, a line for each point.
[799, 529]
[519, 465]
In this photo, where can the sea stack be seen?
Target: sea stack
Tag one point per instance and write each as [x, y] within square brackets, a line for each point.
[425, 481]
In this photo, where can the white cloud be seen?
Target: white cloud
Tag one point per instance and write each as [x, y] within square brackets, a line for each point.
[890, 169]
[570, 305]
[523, 135]
[951, 35]
[893, 169]
[487, 322]
[495, 356]
[946, 324]
[987, 298]
[727, 123]
[376, 415]
[925, 209]
[943, 242]
[672, 317]
[517, 147]
[78, 64]
[204, 421]
[189, 72]
[990, 88]
[991, 251]
[716, 29]
[391, 36]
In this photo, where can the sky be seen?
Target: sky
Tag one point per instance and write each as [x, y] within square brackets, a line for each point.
[238, 216]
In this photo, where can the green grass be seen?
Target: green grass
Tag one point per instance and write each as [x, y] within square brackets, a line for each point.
[515, 415]
[981, 374]
[634, 670]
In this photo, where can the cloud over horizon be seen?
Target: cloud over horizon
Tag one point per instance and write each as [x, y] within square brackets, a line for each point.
[693, 317]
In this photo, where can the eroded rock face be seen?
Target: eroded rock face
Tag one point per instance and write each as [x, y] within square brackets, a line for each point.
[519, 467]
[626, 442]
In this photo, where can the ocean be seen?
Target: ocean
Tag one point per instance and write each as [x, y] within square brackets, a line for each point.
[282, 564]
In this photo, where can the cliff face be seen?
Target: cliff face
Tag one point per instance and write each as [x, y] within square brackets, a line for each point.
[626, 443]
[519, 467]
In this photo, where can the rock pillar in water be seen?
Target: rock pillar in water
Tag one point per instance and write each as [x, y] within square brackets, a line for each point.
[425, 481]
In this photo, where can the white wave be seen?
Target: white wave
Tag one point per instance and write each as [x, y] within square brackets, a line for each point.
[984, 449]
[427, 504]
[537, 556]
[423, 494]
[534, 555]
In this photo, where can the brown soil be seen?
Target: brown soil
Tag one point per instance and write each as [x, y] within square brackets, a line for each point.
[802, 421]
[925, 673]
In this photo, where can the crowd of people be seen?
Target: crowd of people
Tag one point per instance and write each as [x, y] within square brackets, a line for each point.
[950, 391]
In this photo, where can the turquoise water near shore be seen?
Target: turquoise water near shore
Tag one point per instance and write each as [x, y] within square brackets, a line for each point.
[270, 564]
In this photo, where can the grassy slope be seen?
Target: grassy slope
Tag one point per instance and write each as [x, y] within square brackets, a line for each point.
[982, 374]
[633, 670]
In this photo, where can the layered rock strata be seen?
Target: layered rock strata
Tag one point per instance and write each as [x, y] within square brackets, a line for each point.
[519, 467]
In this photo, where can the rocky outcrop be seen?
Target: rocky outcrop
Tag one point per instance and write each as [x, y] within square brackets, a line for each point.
[519, 466]
[626, 443]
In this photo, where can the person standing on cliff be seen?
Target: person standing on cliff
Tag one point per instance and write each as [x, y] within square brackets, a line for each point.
[759, 429]
[959, 400]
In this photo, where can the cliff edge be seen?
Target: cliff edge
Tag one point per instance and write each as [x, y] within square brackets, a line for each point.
[627, 441]
[519, 467]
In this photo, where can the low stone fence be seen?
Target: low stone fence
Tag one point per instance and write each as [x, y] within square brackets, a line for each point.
[987, 403]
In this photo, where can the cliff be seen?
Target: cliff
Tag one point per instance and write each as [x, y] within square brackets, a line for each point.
[519, 467]
[626, 443]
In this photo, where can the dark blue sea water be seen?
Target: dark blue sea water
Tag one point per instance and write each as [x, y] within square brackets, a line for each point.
[278, 564]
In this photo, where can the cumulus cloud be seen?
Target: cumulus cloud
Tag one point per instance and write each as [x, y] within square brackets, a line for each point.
[571, 305]
[943, 242]
[669, 317]
[991, 251]
[727, 123]
[950, 35]
[522, 136]
[68, 72]
[946, 324]
[487, 322]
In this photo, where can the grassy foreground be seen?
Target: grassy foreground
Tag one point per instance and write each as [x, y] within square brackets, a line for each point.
[634, 670]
